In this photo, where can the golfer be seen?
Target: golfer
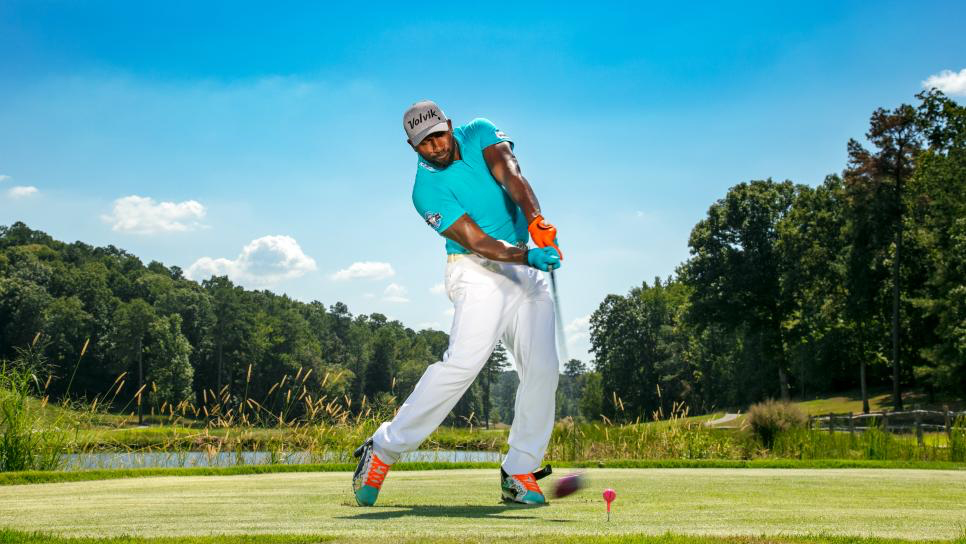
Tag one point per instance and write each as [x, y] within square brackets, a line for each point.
[469, 189]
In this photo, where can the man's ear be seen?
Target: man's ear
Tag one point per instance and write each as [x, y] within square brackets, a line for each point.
[449, 122]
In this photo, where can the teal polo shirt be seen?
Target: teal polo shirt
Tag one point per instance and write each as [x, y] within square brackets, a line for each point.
[441, 196]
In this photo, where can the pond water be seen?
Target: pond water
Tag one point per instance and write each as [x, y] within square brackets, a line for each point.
[83, 461]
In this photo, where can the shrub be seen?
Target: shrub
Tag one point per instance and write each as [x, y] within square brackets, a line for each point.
[769, 418]
[957, 440]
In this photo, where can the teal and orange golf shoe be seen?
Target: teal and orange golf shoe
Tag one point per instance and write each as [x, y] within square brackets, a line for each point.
[370, 472]
[523, 488]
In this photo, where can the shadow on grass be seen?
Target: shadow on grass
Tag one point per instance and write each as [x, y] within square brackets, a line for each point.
[447, 511]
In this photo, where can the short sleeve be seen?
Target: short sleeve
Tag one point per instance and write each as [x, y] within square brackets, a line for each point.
[437, 206]
[487, 134]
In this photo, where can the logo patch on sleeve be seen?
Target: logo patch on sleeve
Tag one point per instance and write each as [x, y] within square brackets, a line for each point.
[433, 219]
[501, 134]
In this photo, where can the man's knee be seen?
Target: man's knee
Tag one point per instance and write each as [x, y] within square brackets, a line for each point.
[462, 364]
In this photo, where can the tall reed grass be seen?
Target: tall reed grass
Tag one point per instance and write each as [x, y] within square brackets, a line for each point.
[676, 437]
[28, 441]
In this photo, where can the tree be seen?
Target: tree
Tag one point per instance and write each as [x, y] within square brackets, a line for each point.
[637, 347]
[68, 327]
[734, 272]
[876, 180]
[131, 323]
[22, 304]
[388, 343]
[938, 224]
[504, 396]
[568, 390]
[495, 365]
[812, 248]
[233, 331]
[592, 396]
[167, 353]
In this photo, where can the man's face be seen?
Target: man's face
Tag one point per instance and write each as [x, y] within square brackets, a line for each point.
[438, 148]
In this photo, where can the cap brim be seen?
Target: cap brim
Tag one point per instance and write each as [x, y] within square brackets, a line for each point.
[438, 127]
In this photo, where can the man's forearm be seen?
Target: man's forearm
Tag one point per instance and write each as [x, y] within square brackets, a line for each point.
[495, 250]
[465, 232]
[522, 194]
[505, 169]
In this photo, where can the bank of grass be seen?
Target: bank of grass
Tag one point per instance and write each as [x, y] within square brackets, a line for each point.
[46, 476]
[879, 400]
[19, 537]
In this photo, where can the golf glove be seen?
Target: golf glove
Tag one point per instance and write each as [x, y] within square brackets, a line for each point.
[544, 234]
[544, 258]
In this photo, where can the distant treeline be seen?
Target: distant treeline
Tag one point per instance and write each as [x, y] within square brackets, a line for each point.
[794, 290]
[193, 340]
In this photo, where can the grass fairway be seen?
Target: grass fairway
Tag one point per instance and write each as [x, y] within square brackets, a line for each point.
[461, 504]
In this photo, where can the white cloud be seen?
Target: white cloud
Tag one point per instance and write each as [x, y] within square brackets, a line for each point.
[263, 261]
[947, 81]
[578, 329]
[22, 191]
[365, 270]
[3, 178]
[429, 325]
[142, 215]
[449, 311]
[395, 293]
[438, 289]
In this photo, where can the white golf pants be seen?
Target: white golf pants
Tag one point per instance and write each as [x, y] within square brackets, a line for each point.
[493, 301]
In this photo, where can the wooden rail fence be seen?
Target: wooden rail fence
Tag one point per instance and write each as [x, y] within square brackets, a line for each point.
[917, 421]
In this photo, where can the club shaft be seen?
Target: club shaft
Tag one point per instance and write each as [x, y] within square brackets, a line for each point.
[558, 318]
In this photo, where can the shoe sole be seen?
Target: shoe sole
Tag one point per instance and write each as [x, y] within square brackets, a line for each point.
[511, 502]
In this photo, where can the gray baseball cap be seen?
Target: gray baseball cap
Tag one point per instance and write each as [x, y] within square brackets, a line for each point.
[422, 119]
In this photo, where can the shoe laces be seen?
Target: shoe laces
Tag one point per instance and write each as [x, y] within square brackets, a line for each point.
[377, 472]
[529, 482]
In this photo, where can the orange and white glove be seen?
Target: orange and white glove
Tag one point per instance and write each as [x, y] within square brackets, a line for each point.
[544, 234]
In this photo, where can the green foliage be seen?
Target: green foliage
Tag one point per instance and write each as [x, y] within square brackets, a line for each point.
[735, 276]
[591, 396]
[938, 225]
[637, 340]
[769, 418]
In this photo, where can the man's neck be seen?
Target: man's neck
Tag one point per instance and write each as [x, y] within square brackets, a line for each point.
[457, 152]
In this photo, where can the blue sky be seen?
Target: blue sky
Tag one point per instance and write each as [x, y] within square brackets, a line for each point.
[266, 143]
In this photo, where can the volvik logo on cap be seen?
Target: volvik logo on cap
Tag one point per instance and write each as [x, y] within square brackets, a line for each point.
[423, 118]
[416, 121]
